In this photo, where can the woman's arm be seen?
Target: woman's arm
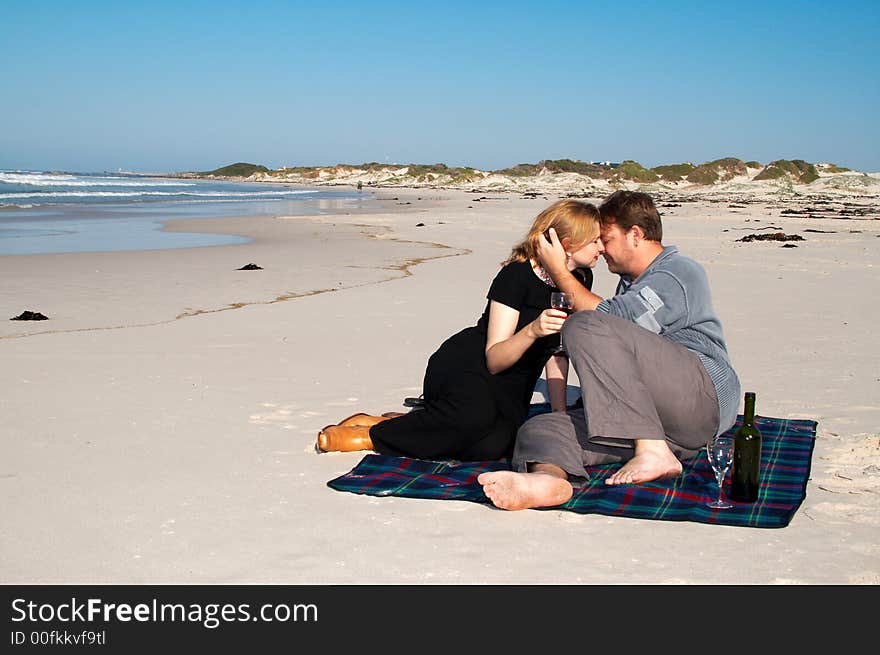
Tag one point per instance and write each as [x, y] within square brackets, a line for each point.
[504, 346]
[556, 371]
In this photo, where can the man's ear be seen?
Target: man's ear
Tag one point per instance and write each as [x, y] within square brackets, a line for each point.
[638, 233]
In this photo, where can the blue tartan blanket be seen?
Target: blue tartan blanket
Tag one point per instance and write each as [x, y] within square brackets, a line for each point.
[786, 453]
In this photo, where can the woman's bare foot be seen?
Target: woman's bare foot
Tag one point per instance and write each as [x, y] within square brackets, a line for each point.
[653, 461]
[513, 491]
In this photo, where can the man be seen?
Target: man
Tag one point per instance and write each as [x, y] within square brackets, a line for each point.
[656, 379]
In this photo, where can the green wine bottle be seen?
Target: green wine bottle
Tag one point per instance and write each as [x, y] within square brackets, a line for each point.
[746, 456]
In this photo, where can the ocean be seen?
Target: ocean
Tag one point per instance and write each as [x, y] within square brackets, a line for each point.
[43, 212]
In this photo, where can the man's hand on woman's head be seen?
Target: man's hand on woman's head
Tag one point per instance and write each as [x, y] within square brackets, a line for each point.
[554, 260]
[552, 254]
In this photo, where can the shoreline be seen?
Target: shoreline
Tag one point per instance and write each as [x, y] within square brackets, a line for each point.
[183, 451]
[98, 225]
[268, 236]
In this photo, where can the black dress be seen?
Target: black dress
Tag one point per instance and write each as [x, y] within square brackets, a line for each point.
[469, 413]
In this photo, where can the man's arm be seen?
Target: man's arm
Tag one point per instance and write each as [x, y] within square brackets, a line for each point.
[552, 256]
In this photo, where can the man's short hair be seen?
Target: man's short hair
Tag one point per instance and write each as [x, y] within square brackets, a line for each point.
[628, 208]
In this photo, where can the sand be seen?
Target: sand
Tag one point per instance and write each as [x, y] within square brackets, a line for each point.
[159, 428]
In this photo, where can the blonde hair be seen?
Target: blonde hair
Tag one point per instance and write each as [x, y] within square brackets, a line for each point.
[573, 220]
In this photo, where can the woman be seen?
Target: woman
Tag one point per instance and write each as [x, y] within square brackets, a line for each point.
[479, 383]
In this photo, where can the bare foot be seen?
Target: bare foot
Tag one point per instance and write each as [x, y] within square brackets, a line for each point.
[648, 464]
[513, 491]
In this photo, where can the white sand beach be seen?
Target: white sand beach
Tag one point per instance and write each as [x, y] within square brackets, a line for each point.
[159, 428]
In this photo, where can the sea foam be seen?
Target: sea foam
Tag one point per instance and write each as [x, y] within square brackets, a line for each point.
[46, 179]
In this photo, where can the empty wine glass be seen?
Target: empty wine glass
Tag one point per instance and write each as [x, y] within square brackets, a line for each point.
[720, 452]
[563, 302]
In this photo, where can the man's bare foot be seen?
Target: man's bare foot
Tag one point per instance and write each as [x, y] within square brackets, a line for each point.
[513, 491]
[653, 461]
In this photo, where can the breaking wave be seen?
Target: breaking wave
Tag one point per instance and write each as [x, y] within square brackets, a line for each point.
[58, 188]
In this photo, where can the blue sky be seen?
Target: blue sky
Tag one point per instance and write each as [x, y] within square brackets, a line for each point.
[172, 86]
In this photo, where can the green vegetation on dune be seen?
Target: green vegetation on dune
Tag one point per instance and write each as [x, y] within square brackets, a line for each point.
[673, 172]
[771, 172]
[796, 169]
[575, 166]
[432, 172]
[520, 170]
[417, 170]
[240, 169]
[633, 170]
[423, 169]
[556, 166]
[719, 169]
[702, 175]
[465, 174]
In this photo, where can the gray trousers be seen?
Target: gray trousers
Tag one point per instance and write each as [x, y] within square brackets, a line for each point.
[635, 385]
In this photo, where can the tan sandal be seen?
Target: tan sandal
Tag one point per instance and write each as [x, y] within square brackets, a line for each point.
[344, 439]
[361, 419]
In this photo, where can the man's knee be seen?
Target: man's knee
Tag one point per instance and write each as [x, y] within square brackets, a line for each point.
[581, 327]
[539, 427]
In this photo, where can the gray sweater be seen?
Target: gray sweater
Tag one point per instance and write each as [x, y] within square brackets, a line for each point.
[672, 298]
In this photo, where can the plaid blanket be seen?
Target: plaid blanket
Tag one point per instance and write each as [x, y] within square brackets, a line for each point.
[786, 452]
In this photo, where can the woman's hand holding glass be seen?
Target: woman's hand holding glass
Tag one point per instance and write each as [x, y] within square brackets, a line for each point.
[561, 302]
[548, 323]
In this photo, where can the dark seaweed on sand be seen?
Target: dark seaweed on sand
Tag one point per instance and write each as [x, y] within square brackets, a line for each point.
[28, 315]
[775, 236]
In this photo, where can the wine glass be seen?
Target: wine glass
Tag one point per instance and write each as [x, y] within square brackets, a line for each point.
[720, 452]
[563, 302]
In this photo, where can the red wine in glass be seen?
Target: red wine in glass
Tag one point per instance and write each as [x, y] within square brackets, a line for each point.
[563, 302]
